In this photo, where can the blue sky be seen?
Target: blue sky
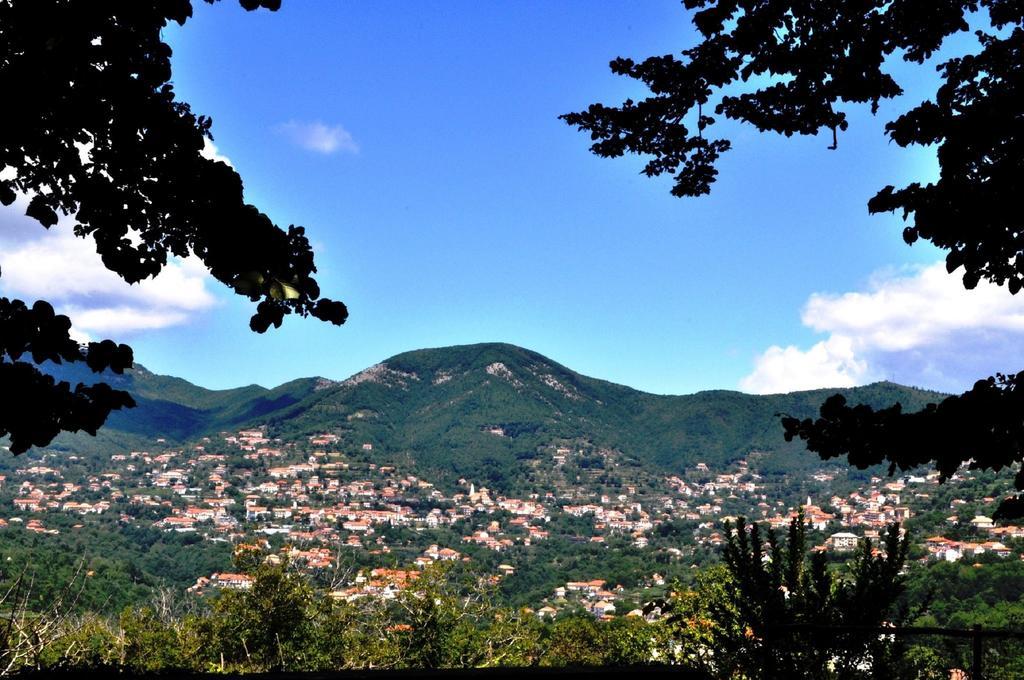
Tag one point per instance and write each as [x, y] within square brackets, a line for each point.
[420, 146]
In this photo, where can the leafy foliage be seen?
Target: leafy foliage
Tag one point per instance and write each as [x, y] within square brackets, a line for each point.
[777, 589]
[34, 408]
[262, 626]
[791, 67]
[983, 426]
[103, 138]
[766, 612]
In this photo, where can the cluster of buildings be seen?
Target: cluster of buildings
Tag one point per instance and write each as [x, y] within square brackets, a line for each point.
[381, 583]
[244, 487]
[593, 596]
[950, 550]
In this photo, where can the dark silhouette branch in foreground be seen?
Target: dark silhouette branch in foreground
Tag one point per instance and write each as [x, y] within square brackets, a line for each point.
[984, 427]
[97, 134]
[34, 408]
[792, 68]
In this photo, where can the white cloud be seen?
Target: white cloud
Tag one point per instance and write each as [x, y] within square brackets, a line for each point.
[119, 320]
[829, 363]
[56, 266]
[319, 137]
[210, 151]
[927, 307]
[919, 326]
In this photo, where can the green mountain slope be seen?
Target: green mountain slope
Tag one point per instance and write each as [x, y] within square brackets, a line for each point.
[478, 411]
[174, 409]
[438, 407]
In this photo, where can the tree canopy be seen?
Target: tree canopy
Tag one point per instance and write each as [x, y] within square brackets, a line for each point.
[97, 134]
[796, 68]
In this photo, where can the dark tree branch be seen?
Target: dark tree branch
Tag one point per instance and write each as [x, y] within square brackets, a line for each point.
[815, 58]
[98, 134]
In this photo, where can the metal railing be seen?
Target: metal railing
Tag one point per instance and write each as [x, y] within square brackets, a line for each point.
[977, 636]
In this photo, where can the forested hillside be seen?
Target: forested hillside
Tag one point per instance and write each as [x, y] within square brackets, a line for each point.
[482, 411]
[174, 409]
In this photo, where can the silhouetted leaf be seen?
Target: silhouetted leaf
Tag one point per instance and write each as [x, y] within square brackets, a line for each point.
[100, 72]
[40, 211]
[7, 194]
[792, 68]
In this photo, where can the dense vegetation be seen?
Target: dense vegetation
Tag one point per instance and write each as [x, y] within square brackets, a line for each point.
[731, 623]
[763, 613]
[505, 412]
[438, 405]
[119, 566]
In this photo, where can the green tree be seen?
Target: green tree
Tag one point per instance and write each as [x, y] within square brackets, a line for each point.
[448, 619]
[149, 643]
[510, 638]
[794, 68]
[774, 622]
[697, 618]
[336, 638]
[264, 627]
[102, 138]
[632, 641]
[575, 641]
[766, 611]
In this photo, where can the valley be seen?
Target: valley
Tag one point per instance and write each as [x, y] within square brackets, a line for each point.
[570, 493]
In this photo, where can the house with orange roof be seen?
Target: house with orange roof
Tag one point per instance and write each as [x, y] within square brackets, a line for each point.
[231, 581]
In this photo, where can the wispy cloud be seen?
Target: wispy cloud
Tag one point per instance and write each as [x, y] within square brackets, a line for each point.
[917, 326]
[56, 266]
[319, 137]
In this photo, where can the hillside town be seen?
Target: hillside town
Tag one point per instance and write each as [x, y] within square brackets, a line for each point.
[314, 505]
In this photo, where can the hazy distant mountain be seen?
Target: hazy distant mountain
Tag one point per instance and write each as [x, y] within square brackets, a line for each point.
[175, 409]
[440, 409]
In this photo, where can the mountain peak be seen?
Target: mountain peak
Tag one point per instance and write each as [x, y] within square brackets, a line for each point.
[487, 411]
[465, 357]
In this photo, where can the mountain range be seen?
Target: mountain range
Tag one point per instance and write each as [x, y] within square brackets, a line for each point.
[476, 410]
